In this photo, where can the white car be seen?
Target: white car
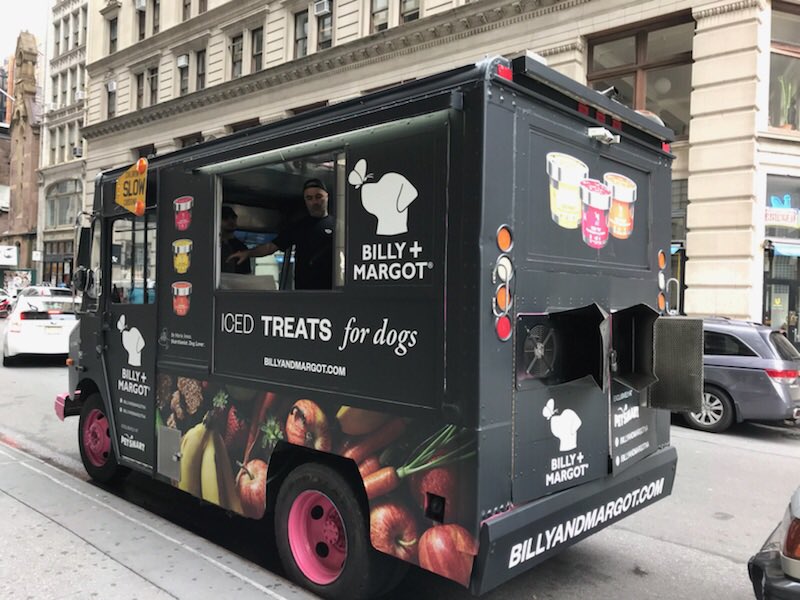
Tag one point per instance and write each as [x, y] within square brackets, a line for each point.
[40, 322]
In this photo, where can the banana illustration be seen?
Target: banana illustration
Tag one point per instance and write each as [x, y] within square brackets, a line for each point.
[227, 480]
[208, 471]
[193, 444]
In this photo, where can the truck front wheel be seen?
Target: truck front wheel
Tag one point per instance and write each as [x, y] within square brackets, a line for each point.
[322, 535]
[94, 441]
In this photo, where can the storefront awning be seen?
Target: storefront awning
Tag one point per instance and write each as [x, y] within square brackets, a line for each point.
[786, 249]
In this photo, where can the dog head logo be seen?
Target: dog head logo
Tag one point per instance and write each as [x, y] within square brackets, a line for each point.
[388, 198]
[132, 341]
[564, 426]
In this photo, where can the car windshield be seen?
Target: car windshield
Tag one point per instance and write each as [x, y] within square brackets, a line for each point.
[783, 346]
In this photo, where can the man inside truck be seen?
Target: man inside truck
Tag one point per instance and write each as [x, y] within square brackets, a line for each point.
[230, 244]
[312, 238]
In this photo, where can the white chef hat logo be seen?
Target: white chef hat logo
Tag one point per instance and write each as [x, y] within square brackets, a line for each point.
[132, 341]
[388, 198]
[564, 426]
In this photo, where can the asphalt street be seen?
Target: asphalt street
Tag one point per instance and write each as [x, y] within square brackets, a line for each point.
[730, 492]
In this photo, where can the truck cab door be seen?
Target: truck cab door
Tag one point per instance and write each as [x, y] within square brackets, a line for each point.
[129, 333]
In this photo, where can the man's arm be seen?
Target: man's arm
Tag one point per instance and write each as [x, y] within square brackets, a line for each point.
[260, 250]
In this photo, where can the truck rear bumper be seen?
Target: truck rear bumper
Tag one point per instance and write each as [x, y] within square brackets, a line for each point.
[524, 537]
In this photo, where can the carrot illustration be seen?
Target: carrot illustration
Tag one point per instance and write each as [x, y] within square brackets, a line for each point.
[442, 448]
[369, 466]
[259, 416]
[381, 482]
[380, 438]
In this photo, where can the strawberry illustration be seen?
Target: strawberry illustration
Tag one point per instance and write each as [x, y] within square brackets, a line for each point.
[235, 432]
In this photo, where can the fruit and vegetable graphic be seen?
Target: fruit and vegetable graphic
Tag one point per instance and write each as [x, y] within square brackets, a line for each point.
[229, 433]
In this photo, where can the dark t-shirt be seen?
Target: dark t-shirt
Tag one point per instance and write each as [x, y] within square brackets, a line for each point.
[228, 247]
[313, 241]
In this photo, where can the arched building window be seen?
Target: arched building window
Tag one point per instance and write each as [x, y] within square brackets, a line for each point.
[62, 202]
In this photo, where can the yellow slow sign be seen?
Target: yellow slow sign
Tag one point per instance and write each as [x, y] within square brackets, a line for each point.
[132, 187]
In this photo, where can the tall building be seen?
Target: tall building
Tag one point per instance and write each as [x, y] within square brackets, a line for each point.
[63, 170]
[25, 119]
[723, 74]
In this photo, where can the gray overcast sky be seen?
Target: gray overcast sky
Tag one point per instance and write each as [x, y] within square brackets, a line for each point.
[21, 15]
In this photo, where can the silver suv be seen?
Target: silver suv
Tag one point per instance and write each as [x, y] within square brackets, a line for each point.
[751, 373]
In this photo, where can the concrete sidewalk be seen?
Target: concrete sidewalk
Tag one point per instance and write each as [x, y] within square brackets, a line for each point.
[61, 537]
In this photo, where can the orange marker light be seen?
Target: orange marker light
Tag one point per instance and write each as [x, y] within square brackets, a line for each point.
[662, 259]
[502, 299]
[141, 165]
[138, 208]
[662, 301]
[504, 239]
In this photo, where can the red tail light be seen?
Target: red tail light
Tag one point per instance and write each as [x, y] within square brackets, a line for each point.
[783, 376]
[791, 545]
[505, 72]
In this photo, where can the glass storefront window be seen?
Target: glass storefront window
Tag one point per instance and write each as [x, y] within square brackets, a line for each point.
[782, 210]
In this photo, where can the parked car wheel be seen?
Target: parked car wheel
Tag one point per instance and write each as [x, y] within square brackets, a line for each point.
[322, 535]
[94, 442]
[716, 414]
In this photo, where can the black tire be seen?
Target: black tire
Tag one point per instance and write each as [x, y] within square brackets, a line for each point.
[109, 470]
[717, 413]
[8, 361]
[362, 575]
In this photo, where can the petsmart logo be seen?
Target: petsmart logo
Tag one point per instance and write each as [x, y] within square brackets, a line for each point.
[126, 439]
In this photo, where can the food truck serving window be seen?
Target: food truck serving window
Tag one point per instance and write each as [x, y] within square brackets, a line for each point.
[282, 225]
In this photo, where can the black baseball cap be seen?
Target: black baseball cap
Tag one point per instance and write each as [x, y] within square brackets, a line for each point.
[314, 183]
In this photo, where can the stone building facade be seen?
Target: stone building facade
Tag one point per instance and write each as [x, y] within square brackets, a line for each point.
[164, 74]
[62, 167]
[24, 154]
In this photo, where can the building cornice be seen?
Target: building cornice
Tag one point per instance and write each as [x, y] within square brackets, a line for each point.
[66, 114]
[69, 59]
[740, 5]
[458, 23]
[576, 46]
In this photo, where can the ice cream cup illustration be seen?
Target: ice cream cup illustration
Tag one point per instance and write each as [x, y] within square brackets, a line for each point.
[596, 199]
[181, 294]
[182, 255]
[623, 197]
[565, 172]
[183, 212]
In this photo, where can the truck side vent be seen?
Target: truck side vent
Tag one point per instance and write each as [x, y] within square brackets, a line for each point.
[539, 351]
[678, 364]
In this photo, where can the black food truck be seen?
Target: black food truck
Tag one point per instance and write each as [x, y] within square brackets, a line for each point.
[414, 327]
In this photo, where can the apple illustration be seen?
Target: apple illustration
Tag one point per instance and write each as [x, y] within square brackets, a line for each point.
[251, 485]
[393, 530]
[307, 426]
[449, 551]
[440, 481]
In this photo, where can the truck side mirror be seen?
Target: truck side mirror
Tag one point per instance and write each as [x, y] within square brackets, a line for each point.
[80, 279]
[84, 247]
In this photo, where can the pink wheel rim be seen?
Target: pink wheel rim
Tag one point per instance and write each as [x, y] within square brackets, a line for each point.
[317, 537]
[96, 438]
